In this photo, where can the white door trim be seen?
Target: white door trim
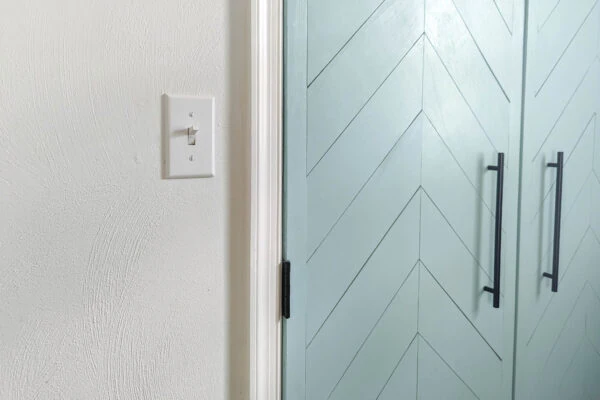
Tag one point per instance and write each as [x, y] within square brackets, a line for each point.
[266, 185]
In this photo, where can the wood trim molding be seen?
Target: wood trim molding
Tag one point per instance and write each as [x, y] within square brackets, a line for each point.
[266, 188]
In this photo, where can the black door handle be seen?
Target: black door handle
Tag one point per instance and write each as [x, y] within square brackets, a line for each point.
[498, 231]
[559, 164]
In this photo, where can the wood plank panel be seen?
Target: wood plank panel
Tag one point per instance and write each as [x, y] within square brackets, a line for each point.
[403, 382]
[578, 166]
[328, 33]
[551, 314]
[452, 118]
[459, 345]
[491, 35]
[506, 9]
[564, 136]
[349, 324]
[556, 34]
[437, 380]
[547, 106]
[358, 70]
[351, 242]
[293, 377]
[564, 354]
[340, 175]
[457, 199]
[375, 361]
[460, 274]
[460, 55]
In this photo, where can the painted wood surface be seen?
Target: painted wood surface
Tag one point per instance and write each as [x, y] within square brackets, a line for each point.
[558, 352]
[293, 380]
[394, 109]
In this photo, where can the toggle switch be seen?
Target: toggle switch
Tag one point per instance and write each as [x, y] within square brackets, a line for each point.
[188, 133]
[192, 131]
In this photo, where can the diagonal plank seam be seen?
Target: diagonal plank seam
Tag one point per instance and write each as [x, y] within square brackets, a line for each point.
[569, 156]
[503, 18]
[461, 311]
[549, 302]
[339, 135]
[565, 49]
[461, 93]
[596, 236]
[481, 52]
[562, 328]
[565, 218]
[448, 365]
[594, 292]
[361, 189]
[541, 26]
[371, 332]
[398, 363]
[573, 359]
[368, 259]
[593, 345]
[560, 115]
[475, 189]
[457, 235]
[341, 297]
[390, 302]
[441, 59]
[346, 43]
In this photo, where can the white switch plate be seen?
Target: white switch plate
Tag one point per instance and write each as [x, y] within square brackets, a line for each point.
[183, 160]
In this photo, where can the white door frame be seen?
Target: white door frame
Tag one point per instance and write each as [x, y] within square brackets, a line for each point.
[266, 210]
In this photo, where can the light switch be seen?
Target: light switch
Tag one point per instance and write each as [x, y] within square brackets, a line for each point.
[189, 136]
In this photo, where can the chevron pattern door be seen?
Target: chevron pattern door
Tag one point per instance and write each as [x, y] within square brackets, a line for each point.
[558, 338]
[393, 111]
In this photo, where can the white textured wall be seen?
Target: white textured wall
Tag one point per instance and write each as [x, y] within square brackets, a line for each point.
[114, 283]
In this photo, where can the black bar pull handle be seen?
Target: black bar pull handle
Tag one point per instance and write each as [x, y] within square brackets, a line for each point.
[559, 164]
[498, 231]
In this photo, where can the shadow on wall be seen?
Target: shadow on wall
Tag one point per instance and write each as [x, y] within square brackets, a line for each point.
[237, 351]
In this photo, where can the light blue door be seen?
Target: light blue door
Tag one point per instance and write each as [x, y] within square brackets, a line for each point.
[393, 112]
[558, 338]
